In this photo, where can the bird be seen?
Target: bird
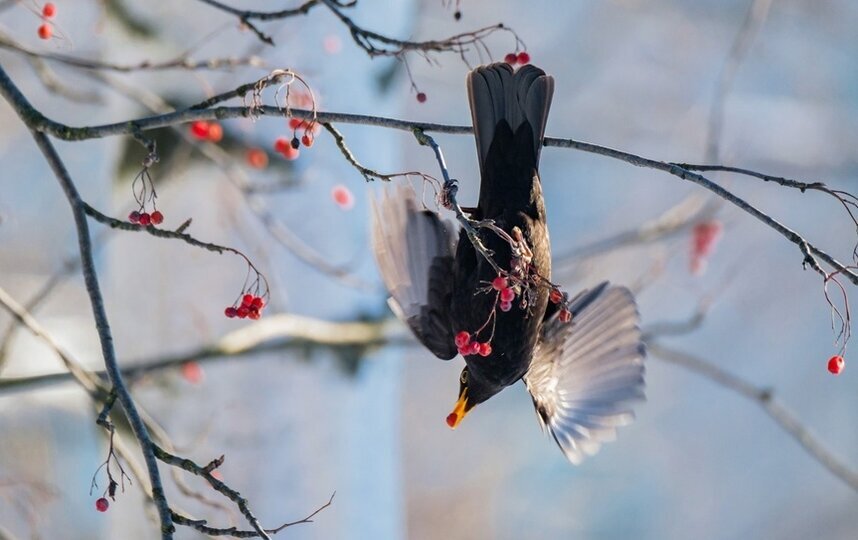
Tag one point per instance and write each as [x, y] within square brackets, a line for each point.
[581, 358]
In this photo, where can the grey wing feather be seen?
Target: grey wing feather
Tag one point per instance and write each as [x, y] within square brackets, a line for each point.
[493, 99]
[414, 254]
[586, 374]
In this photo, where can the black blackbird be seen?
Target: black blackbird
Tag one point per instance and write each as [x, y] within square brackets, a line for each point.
[510, 322]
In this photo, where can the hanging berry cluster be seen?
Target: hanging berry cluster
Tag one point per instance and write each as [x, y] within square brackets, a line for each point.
[46, 29]
[144, 192]
[253, 296]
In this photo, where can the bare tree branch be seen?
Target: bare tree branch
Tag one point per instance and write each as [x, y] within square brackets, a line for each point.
[765, 399]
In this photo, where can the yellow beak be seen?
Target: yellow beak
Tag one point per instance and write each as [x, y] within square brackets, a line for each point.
[458, 413]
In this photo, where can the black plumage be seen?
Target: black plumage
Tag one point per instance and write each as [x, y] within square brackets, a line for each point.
[582, 374]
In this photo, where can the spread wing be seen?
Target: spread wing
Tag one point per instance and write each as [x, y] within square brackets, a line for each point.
[586, 373]
[413, 250]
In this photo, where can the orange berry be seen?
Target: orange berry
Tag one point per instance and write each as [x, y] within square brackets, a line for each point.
[45, 31]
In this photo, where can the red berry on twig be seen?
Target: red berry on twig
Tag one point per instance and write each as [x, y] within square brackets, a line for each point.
[192, 372]
[200, 130]
[257, 158]
[421, 97]
[49, 10]
[836, 364]
[215, 133]
[243, 312]
[145, 219]
[45, 31]
[510, 59]
[565, 315]
[307, 141]
[523, 58]
[505, 306]
[157, 217]
[247, 300]
[485, 349]
[231, 312]
[499, 283]
[462, 339]
[102, 505]
[254, 314]
[507, 295]
[257, 303]
[343, 197]
[134, 217]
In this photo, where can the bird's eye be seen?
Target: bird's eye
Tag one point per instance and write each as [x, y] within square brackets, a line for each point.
[463, 378]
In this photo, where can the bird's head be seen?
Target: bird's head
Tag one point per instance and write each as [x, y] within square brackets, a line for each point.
[473, 390]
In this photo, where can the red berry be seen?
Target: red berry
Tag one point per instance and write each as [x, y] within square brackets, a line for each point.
[45, 31]
[134, 217]
[474, 348]
[200, 130]
[307, 141]
[465, 351]
[49, 10]
[215, 133]
[510, 59]
[102, 505]
[505, 306]
[523, 58]
[462, 339]
[145, 219]
[295, 123]
[507, 295]
[247, 300]
[157, 217]
[555, 296]
[288, 152]
[243, 312]
[499, 283]
[836, 364]
[257, 158]
[421, 97]
[343, 197]
[281, 145]
[257, 303]
[565, 316]
[192, 372]
[231, 312]
[254, 314]
[451, 419]
[485, 349]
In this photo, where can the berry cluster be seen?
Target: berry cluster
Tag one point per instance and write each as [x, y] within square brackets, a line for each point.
[836, 364]
[517, 58]
[143, 189]
[46, 30]
[144, 219]
[207, 131]
[507, 293]
[468, 346]
[250, 308]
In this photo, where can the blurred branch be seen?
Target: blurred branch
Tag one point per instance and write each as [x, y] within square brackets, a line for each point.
[765, 399]
[245, 16]
[281, 332]
[753, 21]
[181, 62]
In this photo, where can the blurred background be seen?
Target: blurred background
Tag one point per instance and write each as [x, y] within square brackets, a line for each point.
[301, 421]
